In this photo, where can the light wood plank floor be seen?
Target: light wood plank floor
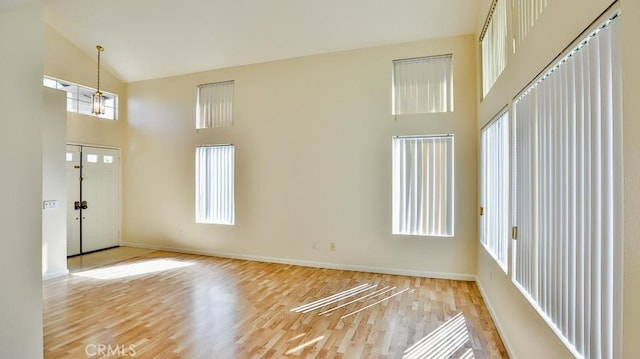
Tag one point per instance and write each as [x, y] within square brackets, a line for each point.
[152, 304]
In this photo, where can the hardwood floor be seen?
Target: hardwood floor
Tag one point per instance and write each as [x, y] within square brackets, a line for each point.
[152, 304]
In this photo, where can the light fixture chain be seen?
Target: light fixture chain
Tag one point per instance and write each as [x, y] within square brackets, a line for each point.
[100, 49]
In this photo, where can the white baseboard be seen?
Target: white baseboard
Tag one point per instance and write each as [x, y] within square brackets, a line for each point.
[56, 274]
[496, 321]
[348, 267]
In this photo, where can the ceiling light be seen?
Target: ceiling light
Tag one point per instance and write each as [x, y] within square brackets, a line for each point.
[97, 101]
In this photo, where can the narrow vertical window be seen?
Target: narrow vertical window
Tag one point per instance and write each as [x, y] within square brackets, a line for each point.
[493, 40]
[215, 202]
[494, 196]
[423, 185]
[423, 85]
[525, 15]
[568, 191]
[214, 105]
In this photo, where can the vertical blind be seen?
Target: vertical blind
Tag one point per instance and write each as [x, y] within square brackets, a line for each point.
[423, 85]
[215, 201]
[525, 255]
[525, 15]
[494, 45]
[569, 193]
[423, 185]
[494, 231]
[214, 105]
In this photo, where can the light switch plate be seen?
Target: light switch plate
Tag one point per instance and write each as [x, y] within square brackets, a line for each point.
[50, 204]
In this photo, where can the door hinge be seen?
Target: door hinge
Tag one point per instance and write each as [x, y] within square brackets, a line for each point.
[482, 211]
[514, 232]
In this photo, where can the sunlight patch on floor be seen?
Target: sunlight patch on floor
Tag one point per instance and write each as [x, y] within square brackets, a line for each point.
[304, 345]
[357, 292]
[333, 298]
[442, 342]
[133, 269]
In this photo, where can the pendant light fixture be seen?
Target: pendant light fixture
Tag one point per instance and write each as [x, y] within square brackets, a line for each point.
[97, 101]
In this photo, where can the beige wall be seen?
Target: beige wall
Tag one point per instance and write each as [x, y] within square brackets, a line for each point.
[54, 185]
[525, 334]
[631, 59]
[21, 46]
[313, 163]
[65, 61]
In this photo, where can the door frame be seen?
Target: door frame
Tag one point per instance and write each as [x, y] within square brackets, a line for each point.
[119, 206]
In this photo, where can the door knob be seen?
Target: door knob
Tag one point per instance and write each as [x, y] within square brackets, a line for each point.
[76, 205]
[84, 205]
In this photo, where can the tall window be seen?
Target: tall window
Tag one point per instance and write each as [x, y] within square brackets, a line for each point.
[525, 15]
[215, 202]
[214, 105]
[568, 144]
[423, 85]
[423, 185]
[494, 224]
[79, 98]
[494, 44]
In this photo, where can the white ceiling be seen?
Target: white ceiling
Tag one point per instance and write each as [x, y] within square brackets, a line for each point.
[146, 39]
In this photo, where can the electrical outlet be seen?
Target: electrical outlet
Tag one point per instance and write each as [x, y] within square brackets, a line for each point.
[314, 245]
[332, 246]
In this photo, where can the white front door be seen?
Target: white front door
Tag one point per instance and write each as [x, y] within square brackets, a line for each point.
[73, 200]
[95, 221]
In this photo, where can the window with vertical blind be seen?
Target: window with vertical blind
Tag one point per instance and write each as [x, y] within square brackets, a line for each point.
[215, 202]
[525, 15]
[423, 185]
[568, 194]
[214, 105]
[494, 194]
[423, 85]
[494, 42]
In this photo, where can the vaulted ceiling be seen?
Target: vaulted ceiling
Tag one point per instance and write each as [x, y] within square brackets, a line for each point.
[146, 39]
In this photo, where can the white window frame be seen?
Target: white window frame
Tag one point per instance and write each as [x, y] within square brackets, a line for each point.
[423, 85]
[215, 194]
[493, 44]
[494, 190]
[214, 104]
[79, 98]
[423, 185]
